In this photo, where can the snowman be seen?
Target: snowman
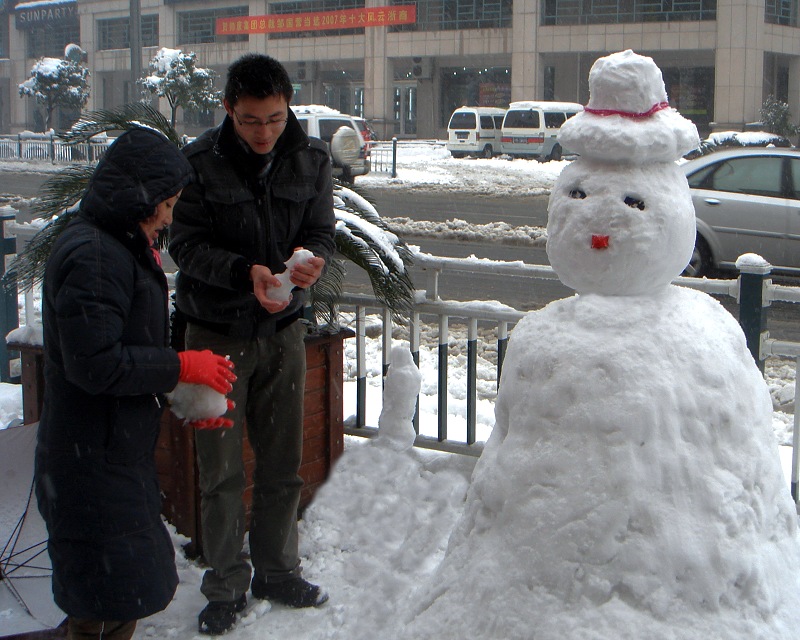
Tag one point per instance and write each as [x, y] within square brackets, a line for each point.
[631, 488]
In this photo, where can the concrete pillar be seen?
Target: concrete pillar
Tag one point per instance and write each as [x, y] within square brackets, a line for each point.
[20, 71]
[526, 76]
[794, 88]
[378, 78]
[739, 62]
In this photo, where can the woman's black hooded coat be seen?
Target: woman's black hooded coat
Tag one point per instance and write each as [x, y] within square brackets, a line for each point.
[107, 364]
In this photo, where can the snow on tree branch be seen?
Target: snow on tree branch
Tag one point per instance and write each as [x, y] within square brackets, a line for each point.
[55, 82]
[174, 75]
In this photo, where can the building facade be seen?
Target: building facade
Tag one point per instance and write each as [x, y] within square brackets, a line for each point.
[720, 58]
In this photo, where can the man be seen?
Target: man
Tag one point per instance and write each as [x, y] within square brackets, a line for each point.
[264, 190]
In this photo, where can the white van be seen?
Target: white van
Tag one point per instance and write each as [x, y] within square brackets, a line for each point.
[530, 129]
[475, 131]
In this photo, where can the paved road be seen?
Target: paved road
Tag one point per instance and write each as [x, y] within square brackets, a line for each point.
[24, 183]
[517, 211]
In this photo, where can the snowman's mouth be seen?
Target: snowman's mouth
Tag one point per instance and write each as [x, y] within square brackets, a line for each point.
[600, 242]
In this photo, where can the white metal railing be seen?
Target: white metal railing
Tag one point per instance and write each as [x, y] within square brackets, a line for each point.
[383, 153]
[49, 147]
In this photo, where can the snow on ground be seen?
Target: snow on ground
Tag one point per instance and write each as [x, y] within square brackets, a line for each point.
[430, 166]
[379, 528]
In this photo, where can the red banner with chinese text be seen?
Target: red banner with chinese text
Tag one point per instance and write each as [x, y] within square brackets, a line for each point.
[319, 20]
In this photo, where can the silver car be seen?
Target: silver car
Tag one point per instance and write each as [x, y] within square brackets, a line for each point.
[747, 201]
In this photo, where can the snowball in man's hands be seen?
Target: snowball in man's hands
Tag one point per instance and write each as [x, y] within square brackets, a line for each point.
[283, 291]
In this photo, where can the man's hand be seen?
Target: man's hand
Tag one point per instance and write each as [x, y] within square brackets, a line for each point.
[262, 280]
[306, 273]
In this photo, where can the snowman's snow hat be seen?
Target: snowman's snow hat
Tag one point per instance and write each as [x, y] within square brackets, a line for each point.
[628, 117]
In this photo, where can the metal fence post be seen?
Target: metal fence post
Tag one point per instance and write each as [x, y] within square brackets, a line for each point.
[9, 316]
[752, 308]
[394, 157]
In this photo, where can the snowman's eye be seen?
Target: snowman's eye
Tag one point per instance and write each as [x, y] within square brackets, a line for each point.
[634, 203]
[577, 194]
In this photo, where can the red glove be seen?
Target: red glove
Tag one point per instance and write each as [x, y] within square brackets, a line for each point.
[204, 367]
[213, 423]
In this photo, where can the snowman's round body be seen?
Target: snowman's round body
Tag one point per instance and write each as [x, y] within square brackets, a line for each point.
[635, 435]
[631, 487]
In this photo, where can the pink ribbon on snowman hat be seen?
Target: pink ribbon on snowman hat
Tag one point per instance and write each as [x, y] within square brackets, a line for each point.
[628, 114]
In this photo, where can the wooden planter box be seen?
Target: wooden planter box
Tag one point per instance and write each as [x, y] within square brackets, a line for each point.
[323, 438]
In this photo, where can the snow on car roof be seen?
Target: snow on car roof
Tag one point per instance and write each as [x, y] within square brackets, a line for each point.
[313, 108]
[555, 106]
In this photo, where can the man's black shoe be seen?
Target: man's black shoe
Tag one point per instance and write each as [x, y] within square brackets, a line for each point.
[294, 592]
[219, 616]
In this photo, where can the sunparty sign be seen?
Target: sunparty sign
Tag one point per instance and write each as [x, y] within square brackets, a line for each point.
[319, 20]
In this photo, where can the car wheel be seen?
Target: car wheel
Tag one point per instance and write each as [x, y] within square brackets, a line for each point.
[701, 262]
[555, 154]
[488, 152]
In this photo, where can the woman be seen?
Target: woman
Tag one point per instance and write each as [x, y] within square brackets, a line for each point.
[107, 366]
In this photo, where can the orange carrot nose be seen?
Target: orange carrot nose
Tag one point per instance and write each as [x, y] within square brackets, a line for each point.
[600, 242]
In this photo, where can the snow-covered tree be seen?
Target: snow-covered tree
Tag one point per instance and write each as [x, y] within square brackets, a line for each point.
[174, 75]
[777, 118]
[58, 82]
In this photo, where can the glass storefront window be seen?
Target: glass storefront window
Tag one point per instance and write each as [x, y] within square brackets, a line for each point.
[783, 12]
[691, 92]
[114, 33]
[450, 15]
[404, 112]
[566, 12]
[4, 36]
[50, 40]
[473, 87]
[313, 6]
[198, 27]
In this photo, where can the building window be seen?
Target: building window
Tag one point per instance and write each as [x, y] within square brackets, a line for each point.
[691, 92]
[114, 33]
[472, 86]
[198, 27]
[449, 15]
[204, 118]
[304, 6]
[781, 12]
[568, 12]
[50, 40]
[4, 36]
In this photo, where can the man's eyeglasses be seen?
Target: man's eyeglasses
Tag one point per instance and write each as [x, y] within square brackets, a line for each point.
[254, 123]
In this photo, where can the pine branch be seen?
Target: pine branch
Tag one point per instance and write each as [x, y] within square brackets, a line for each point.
[326, 292]
[128, 116]
[364, 241]
[62, 191]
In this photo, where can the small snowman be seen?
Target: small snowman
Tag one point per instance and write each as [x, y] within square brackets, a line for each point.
[631, 488]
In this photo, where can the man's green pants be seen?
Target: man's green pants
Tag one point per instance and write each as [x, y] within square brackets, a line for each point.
[268, 394]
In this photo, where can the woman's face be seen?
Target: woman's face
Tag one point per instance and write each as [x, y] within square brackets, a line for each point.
[160, 220]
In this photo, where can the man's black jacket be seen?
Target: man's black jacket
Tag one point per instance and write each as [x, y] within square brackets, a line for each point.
[233, 217]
